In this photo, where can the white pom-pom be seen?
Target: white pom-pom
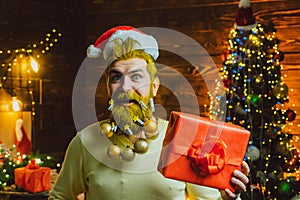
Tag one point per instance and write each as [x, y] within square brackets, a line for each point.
[18, 128]
[93, 52]
[244, 4]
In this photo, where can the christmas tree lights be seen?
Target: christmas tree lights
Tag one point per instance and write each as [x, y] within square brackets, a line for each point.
[257, 99]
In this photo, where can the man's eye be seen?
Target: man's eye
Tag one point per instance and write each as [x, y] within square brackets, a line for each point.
[115, 78]
[136, 77]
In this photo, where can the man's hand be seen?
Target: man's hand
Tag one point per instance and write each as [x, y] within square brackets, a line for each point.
[240, 180]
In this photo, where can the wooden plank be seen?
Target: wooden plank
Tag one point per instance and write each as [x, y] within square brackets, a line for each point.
[81, 22]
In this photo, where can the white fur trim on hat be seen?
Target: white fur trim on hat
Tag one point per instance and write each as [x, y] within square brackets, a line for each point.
[145, 42]
[248, 27]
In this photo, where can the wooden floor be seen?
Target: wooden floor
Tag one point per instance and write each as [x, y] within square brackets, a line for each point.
[82, 21]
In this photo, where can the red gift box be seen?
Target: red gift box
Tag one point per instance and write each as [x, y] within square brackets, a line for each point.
[33, 178]
[202, 151]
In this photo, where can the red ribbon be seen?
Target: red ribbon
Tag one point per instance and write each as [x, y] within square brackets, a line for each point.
[32, 165]
[207, 158]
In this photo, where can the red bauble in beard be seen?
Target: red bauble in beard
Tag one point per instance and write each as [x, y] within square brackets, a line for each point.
[128, 106]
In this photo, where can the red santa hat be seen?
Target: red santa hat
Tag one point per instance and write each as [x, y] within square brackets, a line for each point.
[244, 18]
[105, 43]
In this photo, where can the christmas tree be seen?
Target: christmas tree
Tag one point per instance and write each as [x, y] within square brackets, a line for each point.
[256, 99]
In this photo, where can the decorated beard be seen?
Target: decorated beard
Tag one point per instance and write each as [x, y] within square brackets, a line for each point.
[130, 111]
[131, 125]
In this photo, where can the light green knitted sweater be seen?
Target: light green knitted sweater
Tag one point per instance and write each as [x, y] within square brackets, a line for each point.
[87, 169]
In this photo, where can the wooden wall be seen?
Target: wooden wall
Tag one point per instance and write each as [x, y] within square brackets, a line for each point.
[81, 22]
[27, 22]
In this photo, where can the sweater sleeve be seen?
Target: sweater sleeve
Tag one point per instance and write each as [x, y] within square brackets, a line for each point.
[70, 181]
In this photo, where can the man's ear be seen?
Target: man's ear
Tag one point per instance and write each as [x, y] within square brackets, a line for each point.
[155, 86]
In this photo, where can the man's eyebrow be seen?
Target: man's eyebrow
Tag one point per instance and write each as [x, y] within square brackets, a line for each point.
[114, 71]
[135, 71]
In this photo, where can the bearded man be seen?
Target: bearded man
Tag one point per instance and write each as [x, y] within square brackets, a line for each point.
[117, 158]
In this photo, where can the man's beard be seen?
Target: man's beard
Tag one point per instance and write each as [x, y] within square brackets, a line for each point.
[124, 115]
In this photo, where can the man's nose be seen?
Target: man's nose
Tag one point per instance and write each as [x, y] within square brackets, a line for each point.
[127, 84]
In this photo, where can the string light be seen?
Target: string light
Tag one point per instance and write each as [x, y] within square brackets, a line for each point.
[25, 60]
[16, 104]
[34, 65]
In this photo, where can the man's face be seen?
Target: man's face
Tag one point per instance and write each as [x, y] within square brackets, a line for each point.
[130, 75]
[131, 87]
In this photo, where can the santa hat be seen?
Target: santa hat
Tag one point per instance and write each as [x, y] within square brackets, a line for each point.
[105, 43]
[244, 18]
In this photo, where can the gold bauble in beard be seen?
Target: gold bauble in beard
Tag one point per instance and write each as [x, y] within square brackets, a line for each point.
[127, 154]
[114, 152]
[141, 146]
[107, 129]
[150, 127]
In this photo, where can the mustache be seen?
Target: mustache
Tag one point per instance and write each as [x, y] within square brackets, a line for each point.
[127, 97]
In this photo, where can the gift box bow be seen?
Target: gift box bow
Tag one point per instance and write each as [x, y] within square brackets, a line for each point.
[207, 158]
[32, 165]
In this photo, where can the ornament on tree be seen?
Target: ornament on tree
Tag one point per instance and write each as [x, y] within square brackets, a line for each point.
[227, 83]
[252, 152]
[284, 187]
[280, 90]
[224, 55]
[254, 99]
[290, 115]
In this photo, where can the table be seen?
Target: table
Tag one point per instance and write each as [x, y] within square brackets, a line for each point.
[16, 195]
